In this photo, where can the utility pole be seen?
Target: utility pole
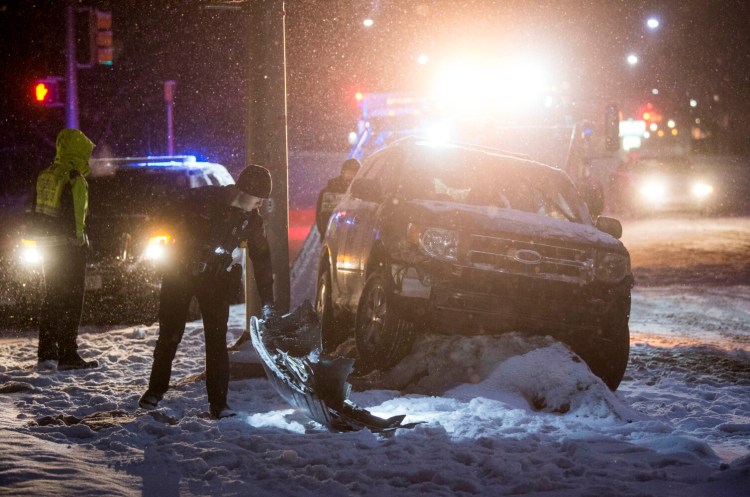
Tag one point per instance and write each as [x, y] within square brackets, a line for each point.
[266, 142]
[169, 87]
[71, 65]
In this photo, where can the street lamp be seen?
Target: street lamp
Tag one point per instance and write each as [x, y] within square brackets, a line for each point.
[368, 22]
[632, 59]
[652, 23]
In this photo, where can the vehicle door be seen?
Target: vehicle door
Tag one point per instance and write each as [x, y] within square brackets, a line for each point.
[365, 222]
[341, 234]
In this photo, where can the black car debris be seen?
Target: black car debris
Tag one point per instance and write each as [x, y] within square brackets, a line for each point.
[448, 238]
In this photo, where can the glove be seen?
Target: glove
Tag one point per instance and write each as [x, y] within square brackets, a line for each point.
[271, 316]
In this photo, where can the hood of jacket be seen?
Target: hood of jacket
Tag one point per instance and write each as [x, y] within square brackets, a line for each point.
[73, 151]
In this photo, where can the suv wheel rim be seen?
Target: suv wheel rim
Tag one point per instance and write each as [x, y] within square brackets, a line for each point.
[320, 303]
[374, 314]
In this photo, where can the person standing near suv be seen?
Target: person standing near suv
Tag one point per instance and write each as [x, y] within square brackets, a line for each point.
[59, 221]
[211, 222]
[329, 197]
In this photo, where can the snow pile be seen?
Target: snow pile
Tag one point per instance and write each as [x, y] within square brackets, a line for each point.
[498, 416]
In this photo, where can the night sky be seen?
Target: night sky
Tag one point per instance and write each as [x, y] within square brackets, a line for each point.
[700, 51]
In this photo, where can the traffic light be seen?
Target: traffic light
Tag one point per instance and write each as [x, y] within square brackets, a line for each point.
[46, 92]
[100, 32]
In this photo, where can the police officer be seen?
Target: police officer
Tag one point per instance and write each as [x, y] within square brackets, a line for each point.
[330, 196]
[59, 228]
[211, 222]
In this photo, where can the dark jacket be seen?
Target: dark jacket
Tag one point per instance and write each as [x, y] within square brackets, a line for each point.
[208, 229]
[328, 199]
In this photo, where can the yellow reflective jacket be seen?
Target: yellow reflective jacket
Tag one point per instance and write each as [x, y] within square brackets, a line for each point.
[69, 168]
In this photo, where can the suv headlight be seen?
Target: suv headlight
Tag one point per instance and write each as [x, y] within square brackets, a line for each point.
[611, 267]
[439, 243]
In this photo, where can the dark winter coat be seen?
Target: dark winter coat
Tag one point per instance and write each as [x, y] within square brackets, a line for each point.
[328, 199]
[208, 229]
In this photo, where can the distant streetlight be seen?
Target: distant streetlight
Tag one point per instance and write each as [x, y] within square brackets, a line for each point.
[655, 91]
[652, 23]
[632, 59]
[693, 102]
[368, 22]
[423, 59]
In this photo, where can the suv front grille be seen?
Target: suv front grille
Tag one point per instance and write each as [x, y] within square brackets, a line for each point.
[506, 255]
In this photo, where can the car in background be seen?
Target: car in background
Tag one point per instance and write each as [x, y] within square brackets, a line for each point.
[127, 240]
[435, 237]
[664, 184]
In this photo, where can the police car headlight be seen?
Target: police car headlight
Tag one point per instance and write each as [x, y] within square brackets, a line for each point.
[156, 248]
[611, 267]
[30, 253]
[439, 243]
[701, 190]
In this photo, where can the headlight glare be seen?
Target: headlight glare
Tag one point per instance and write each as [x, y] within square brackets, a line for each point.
[702, 190]
[654, 191]
[611, 267]
[30, 253]
[156, 247]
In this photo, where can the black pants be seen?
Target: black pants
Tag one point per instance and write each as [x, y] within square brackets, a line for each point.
[174, 300]
[64, 277]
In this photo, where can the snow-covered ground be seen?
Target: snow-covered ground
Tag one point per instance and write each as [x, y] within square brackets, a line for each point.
[509, 415]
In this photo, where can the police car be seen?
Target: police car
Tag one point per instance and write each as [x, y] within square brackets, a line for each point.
[126, 239]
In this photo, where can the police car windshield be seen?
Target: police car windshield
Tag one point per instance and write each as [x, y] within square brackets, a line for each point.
[134, 191]
[486, 180]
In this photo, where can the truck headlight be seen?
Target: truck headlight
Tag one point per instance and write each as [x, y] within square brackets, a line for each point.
[156, 247]
[611, 267]
[30, 253]
[701, 190]
[439, 243]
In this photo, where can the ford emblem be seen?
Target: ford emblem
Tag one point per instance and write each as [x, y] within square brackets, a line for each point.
[525, 256]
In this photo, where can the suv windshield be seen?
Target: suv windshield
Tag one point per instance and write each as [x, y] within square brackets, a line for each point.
[134, 191]
[486, 180]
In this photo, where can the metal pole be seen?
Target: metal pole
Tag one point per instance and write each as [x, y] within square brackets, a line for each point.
[169, 87]
[267, 129]
[71, 108]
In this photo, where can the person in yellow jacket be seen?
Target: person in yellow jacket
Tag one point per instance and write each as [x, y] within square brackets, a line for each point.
[59, 228]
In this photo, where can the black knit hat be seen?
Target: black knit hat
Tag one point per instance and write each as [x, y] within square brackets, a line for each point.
[255, 180]
[350, 165]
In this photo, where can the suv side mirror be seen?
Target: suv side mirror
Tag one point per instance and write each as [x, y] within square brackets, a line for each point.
[366, 189]
[609, 225]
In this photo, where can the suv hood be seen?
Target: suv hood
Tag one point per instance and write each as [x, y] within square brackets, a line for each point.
[526, 226]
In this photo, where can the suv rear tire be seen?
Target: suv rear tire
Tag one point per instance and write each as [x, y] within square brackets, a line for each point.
[383, 338]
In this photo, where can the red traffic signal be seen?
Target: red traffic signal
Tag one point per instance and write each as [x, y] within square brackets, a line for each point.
[47, 92]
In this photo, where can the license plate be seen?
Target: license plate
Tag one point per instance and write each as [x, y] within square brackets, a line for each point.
[94, 282]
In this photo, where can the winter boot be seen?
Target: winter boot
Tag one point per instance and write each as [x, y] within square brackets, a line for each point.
[76, 362]
[149, 400]
[220, 412]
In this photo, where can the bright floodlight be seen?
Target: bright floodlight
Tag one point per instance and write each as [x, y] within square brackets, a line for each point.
[632, 59]
[368, 22]
[476, 87]
[652, 23]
